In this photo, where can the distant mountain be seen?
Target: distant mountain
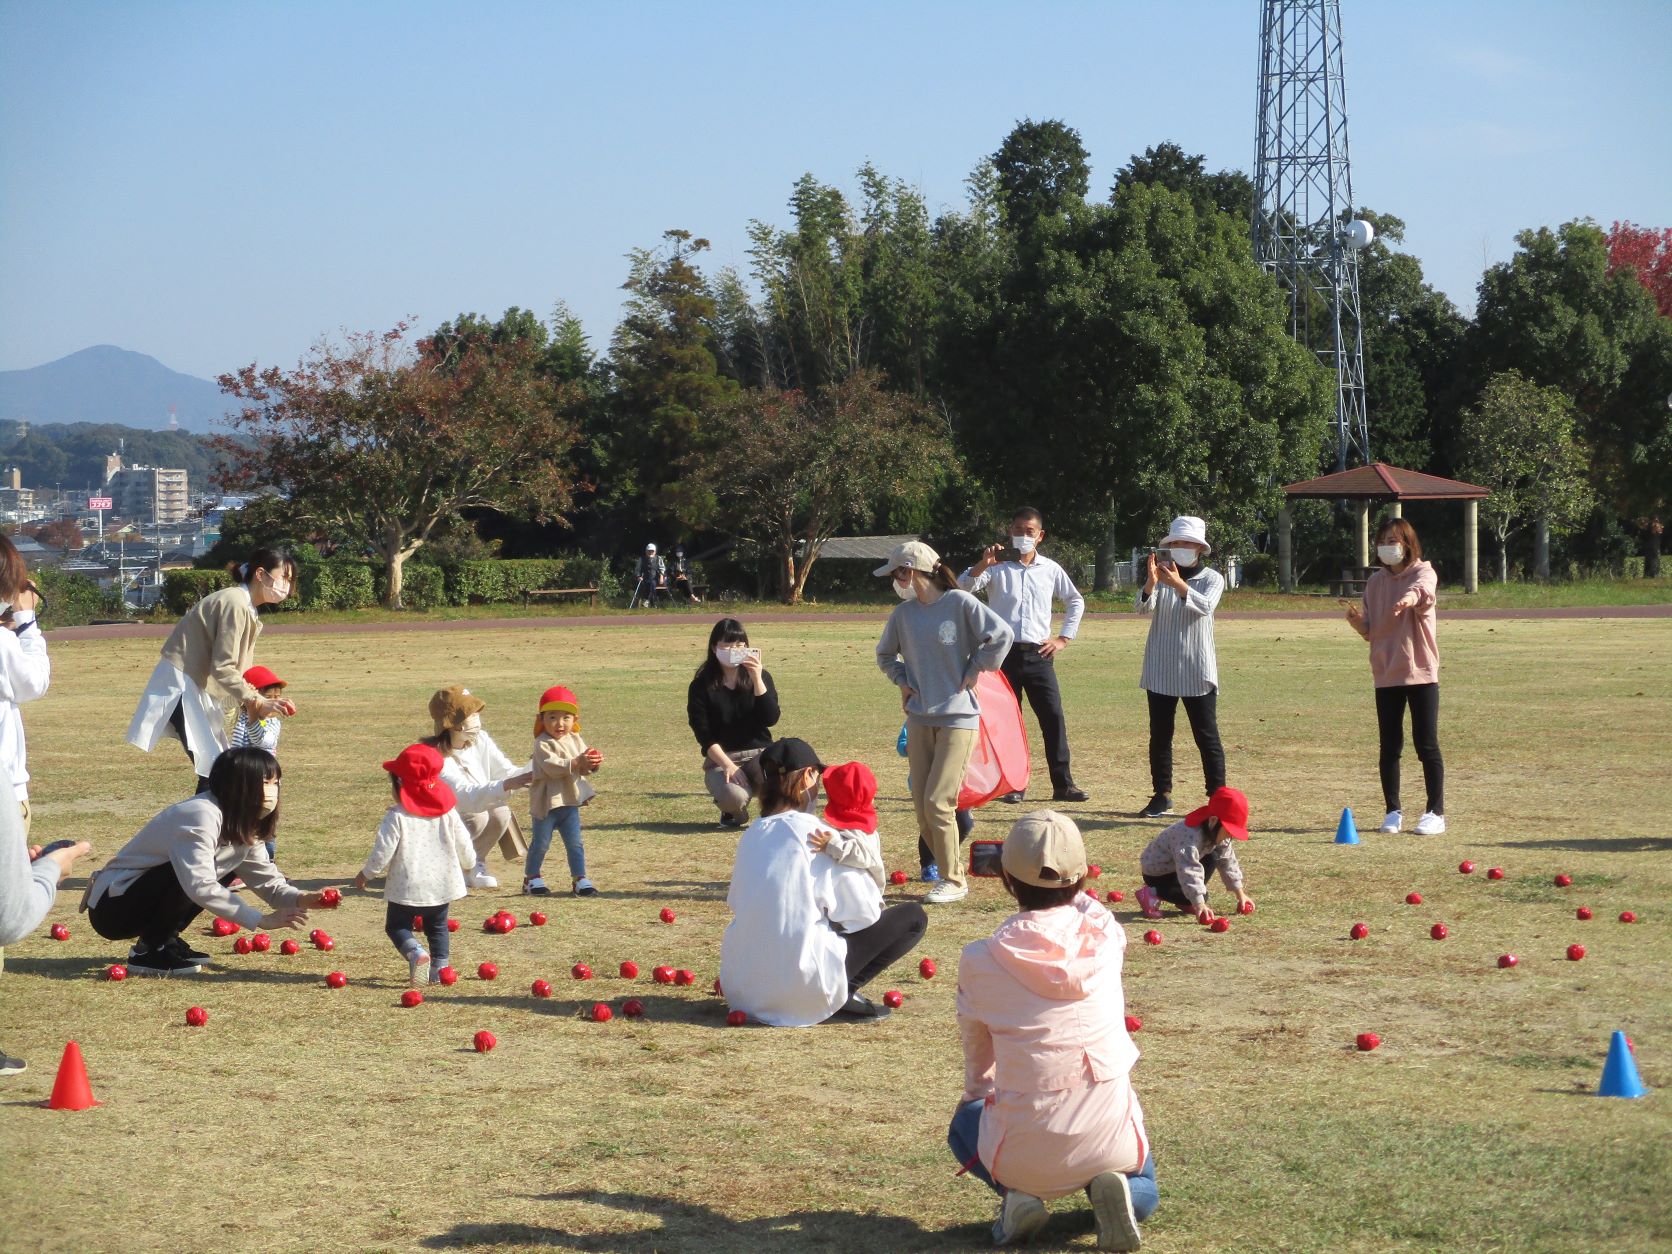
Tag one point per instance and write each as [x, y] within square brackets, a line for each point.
[106, 384]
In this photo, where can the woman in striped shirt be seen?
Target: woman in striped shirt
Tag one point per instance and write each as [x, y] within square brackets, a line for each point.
[1180, 596]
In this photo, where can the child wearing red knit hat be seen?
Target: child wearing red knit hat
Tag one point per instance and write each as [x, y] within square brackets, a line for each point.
[850, 792]
[561, 764]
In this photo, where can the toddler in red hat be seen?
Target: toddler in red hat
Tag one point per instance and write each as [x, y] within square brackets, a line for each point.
[850, 792]
[1178, 863]
[260, 733]
[424, 849]
[562, 761]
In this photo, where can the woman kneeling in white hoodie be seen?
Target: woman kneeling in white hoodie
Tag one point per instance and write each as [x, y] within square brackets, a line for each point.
[1048, 1106]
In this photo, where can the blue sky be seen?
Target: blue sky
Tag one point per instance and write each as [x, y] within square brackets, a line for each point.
[216, 183]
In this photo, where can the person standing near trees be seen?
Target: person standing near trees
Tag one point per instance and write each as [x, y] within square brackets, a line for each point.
[204, 660]
[25, 671]
[1021, 590]
[1397, 621]
[1180, 595]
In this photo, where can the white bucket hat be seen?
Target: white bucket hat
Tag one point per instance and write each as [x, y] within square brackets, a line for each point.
[913, 555]
[1188, 527]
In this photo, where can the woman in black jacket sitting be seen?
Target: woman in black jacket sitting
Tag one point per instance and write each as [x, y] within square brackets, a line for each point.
[732, 707]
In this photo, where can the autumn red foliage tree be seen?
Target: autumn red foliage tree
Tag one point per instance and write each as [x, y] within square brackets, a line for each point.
[388, 439]
[60, 533]
[1647, 251]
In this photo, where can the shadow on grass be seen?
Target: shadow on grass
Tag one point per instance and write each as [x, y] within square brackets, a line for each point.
[1610, 844]
[658, 829]
[687, 1226]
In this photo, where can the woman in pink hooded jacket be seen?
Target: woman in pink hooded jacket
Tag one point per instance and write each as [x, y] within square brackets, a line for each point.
[1048, 1107]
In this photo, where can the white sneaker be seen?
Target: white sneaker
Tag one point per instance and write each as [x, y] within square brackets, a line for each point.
[536, 887]
[1111, 1202]
[1021, 1216]
[1392, 821]
[418, 969]
[479, 878]
[1431, 824]
[946, 891]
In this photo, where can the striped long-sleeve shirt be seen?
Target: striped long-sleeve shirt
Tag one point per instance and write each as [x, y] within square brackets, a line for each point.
[257, 733]
[1179, 659]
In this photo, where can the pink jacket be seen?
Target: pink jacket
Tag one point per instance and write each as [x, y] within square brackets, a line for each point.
[1043, 1018]
[1403, 647]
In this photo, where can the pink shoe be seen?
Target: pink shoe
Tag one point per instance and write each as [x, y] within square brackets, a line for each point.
[1149, 903]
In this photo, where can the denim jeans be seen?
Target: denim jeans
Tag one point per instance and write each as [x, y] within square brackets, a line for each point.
[567, 821]
[965, 1133]
[400, 923]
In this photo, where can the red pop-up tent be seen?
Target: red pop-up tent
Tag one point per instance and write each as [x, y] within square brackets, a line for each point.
[1001, 762]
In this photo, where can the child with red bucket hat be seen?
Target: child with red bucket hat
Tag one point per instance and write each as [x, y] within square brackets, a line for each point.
[260, 733]
[1178, 863]
[850, 792]
[561, 762]
[424, 848]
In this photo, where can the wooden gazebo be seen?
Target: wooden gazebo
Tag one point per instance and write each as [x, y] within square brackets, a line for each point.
[1378, 482]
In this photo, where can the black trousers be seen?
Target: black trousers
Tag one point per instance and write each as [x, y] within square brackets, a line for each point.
[1168, 888]
[1203, 713]
[155, 909]
[874, 949]
[1036, 676]
[1424, 703]
[177, 721]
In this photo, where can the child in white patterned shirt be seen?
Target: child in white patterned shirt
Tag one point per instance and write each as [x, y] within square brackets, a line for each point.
[260, 733]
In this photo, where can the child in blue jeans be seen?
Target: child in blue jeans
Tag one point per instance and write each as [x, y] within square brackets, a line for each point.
[561, 762]
[425, 849]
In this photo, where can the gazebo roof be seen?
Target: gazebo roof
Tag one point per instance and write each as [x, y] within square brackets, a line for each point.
[1381, 482]
[863, 548]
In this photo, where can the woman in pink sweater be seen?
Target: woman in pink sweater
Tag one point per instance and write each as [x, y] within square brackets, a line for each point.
[1397, 619]
[1048, 1107]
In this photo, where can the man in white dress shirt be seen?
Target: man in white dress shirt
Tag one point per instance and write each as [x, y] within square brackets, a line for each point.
[1022, 590]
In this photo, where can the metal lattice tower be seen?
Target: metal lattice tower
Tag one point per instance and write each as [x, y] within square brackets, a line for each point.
[1304, 231]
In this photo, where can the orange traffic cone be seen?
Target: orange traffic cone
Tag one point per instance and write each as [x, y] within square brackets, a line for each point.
[71, 1090]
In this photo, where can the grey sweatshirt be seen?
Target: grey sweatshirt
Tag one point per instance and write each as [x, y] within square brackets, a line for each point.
[935, 649]
[27, 889]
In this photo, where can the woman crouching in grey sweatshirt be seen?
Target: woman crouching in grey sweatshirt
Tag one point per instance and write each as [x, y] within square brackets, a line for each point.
[933, 646]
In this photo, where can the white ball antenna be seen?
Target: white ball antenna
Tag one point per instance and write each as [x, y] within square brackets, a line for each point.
[1358, 234]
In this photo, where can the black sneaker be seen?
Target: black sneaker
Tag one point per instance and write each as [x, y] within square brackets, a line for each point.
[185, 952]
[11, 1066]
[1159, 805]
[162, 961]
[1070, 793]
[728, 819]
[1014, 798]
[860, 1006]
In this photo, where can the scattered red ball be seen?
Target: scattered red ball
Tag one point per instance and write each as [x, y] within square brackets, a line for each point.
[1115, 894]
[736, 1019]
[327, 945]
[196, 1017]
[1495, 873]
[261, 942]
[316, 935]
[452, 925]
[1562, 881]
[538, 918]
[1439, 931]
[1133, 1023]
[1367, 1041]
[629, 970]
[667, 915]
[662, 975]
[223, 927]
[1413, 899]
[487, 971]
[60, 932]
[716, 989]
[417, 921]
[290, 947]
[581, 971]
[1094, 871]
[1220, 924]
[1359, 931]
[893, 999]
[447, 976]
[242, 945]
[331, 898]
[927, 968]
[633, 1008]
[897, 877]
[1627, 916]
[1152, 937]
[484, 1041]
[1245, 907]
[1575, 952]
[1506, 961]
[601, 1013]
[412, 997]
[1582, 914]
[336, 979]
[541, 988]
[116, 971]
[684, 978]
[1466, 867]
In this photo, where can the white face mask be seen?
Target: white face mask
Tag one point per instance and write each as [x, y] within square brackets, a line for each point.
[1183, 557]
[269, 797]
[905, 591]
[1390, 553]
[463, 736]
[1023, 544]
[730, 654]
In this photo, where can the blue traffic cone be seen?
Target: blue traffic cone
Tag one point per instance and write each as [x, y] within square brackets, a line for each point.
[1619, 1073]
[1345, 832]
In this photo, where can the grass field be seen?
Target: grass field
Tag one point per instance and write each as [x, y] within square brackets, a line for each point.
[302, 1118]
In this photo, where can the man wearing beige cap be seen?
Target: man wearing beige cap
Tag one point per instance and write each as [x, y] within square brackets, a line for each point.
[1048, 1106]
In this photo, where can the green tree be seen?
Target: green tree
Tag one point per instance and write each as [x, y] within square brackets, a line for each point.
[1043, 171]
[1634, 443]
[1521, 441]
[1167, 165]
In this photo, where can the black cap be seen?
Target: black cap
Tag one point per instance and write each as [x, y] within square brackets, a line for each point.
[790, 754]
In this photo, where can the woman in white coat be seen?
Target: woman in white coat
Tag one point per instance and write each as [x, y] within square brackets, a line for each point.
[25, 671]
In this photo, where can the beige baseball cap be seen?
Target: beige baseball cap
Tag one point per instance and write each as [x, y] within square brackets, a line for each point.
[913, 555]
[1044, 849]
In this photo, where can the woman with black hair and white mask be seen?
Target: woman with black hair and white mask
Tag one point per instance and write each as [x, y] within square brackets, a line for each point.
[180, 863]
[204, 660]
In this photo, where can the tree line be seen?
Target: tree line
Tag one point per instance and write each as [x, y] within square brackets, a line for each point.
[1113, 359]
